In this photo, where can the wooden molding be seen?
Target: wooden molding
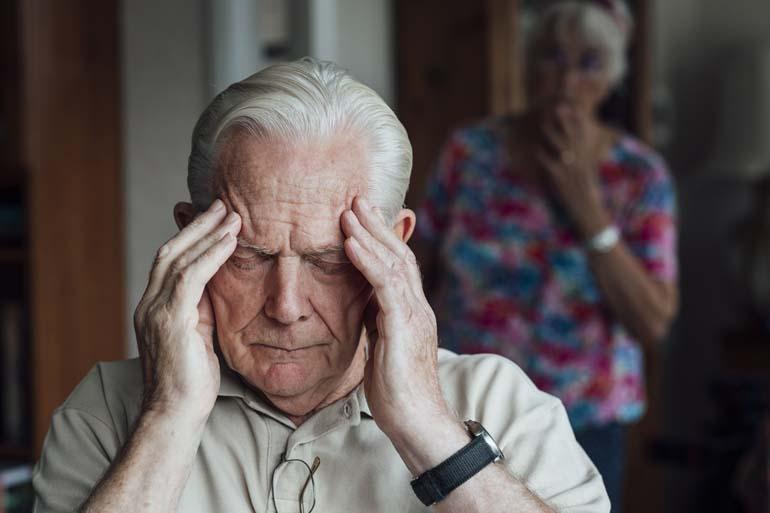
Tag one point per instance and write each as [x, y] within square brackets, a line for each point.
[70, 121]
[505, 57]
[641, 60]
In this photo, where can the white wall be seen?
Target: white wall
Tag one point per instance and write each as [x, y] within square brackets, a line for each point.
[357, 34]
[163, 94]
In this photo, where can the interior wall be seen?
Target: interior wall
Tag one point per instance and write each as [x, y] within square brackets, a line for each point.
[163, 94]
[358, 35]
[694, 39]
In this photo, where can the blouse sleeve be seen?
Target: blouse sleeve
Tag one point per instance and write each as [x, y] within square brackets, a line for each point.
[434, 213]
[650, 229]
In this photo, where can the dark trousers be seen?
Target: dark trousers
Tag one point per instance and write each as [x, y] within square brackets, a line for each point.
[605, 445]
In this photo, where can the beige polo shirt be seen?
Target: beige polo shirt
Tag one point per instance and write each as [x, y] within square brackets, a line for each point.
[247, 459]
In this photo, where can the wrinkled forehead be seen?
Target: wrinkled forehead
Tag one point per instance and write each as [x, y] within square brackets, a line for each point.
[306, 186]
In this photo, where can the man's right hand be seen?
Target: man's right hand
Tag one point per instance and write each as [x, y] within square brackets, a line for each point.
[175, 331]
[174, 320]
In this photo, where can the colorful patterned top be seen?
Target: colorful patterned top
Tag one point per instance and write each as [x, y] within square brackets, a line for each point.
[516, 280]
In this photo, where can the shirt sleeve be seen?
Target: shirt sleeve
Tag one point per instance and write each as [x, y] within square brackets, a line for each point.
[434, 213]
[78, 450]
[650, 227]
[532, 430]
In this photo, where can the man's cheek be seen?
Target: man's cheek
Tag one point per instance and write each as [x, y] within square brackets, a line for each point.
[235, 301]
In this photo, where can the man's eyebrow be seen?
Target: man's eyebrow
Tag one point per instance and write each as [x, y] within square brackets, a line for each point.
[323, 251]
[260, 250]
[315, 253]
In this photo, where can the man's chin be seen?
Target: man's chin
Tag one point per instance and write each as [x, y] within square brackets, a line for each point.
[289, 387]
[284, 382]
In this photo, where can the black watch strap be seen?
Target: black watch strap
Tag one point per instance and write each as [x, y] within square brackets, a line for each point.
[435, 484]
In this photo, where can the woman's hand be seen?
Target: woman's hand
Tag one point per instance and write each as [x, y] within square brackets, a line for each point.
[569, 158]
[174, 320]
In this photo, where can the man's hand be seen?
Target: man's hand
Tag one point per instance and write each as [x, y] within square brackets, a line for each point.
[569, 160]
[401, 377]
[174, 321]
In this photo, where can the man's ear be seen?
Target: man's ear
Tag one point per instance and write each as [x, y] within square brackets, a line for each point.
[403, 226]
[184, 213]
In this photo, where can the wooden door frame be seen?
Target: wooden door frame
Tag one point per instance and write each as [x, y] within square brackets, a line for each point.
[71, 153]
[506, 63]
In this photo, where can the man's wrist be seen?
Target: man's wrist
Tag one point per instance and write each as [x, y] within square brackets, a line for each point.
[424, 446]
[177, 419]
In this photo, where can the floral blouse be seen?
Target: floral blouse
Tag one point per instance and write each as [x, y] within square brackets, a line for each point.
[515, 278]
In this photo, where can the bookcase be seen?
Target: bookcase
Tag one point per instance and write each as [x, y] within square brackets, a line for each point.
[61, 209]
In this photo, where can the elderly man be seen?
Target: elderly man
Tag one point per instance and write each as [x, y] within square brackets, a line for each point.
[288, 357]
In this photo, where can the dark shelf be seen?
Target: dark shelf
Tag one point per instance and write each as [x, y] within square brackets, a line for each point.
[12, 255]
[15, 452]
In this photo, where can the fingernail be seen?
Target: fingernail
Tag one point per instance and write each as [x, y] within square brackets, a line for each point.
[232, 217]
[218, 205]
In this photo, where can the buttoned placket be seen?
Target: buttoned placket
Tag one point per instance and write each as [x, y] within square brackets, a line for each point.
[287, 476]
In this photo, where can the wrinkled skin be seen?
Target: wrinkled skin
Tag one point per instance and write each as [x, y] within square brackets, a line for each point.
[312, 266]
[288, 317]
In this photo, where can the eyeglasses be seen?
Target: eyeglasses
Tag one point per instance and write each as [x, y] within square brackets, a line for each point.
[589, 61]
[311, 469]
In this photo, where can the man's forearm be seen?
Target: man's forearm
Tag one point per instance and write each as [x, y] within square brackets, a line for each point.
[491, 490]
[152, 469]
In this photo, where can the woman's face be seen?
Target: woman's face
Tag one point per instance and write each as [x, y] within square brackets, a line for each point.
[568, 70]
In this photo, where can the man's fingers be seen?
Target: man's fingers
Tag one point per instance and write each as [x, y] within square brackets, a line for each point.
[231, 224]
[380, 276]
[200, 225]
[374, 225]
[189, 235]
[190, 282]
[352, 227]
[393, 263]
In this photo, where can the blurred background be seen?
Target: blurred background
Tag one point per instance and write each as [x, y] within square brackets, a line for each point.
[98, 103]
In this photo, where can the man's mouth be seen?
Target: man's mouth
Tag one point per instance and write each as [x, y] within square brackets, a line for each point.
[285, 350]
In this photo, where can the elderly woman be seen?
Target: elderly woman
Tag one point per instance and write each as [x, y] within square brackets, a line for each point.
[549, 237]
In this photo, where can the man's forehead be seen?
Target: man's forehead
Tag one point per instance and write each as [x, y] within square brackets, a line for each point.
[291, 193]
[327, 171]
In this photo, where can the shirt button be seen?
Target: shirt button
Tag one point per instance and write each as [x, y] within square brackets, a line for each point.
[346, 410]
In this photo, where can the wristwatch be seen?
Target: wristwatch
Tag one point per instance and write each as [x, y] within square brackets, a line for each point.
[604, 241]
[435, 484]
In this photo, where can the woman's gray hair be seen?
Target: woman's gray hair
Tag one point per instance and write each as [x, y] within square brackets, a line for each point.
[608, 28]
[305, 100]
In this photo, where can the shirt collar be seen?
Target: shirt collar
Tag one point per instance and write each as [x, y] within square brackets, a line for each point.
[231, 384]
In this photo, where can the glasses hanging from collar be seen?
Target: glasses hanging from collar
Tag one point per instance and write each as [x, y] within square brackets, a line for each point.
[311, 469]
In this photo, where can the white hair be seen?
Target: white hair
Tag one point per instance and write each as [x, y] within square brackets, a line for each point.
[300, 101]
[608, 30]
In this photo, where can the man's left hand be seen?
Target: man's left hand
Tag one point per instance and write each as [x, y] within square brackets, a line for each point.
[401, 377]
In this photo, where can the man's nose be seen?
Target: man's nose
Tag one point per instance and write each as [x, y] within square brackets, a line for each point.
[287, 301]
